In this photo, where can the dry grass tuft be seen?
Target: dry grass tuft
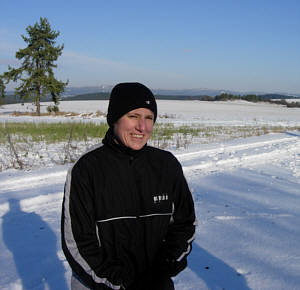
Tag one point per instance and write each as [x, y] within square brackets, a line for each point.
[34, 114]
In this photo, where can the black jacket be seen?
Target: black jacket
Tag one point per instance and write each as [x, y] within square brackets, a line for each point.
[127, 216]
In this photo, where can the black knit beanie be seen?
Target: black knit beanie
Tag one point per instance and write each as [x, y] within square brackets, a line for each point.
[126, 97]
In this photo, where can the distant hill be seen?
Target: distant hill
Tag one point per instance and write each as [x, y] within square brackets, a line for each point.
[105, 96]
[91, 96]
[103, 92]
[74, 91]
[12, 99]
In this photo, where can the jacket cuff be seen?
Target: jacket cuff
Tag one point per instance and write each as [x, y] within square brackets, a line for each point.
[172, 267]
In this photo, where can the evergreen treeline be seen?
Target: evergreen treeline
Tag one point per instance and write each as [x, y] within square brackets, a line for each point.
[249, 98]
[270, 98]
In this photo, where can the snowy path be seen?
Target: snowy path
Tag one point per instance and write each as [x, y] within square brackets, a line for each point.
[247, 199]
[278, 149]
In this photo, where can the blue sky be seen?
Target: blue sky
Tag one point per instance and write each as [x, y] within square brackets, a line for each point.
[231, 44]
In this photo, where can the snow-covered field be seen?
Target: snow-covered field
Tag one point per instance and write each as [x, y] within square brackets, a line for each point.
[246, 193]
[178, 112]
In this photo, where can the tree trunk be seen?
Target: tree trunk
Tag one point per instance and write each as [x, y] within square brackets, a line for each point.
[37, 101]
[38, 107]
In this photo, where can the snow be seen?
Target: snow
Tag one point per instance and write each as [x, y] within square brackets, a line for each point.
[177, 112]
[246, 193]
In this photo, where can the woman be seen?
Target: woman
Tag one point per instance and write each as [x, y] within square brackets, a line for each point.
[128, 216]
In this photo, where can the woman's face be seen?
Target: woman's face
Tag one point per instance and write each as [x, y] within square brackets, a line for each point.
[135, 127]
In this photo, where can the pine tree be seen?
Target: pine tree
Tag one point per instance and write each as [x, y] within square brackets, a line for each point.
[35, 75]
[2, 88]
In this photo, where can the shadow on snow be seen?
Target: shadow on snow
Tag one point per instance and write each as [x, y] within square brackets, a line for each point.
[293, 133]
[33, 246]
[214, 272]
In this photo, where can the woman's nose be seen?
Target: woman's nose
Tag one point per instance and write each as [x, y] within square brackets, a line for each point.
[141, 124]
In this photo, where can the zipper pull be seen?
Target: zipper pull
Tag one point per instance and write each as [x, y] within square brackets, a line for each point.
[130, 159]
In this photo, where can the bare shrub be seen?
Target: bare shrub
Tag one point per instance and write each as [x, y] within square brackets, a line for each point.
[68, 156]
[16, 159]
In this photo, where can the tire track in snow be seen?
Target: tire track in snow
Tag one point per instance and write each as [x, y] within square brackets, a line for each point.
[242, 155]
[31, 180]
[222, 149]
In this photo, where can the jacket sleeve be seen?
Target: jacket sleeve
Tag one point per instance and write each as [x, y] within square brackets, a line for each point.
[80, 241]
[181, 231]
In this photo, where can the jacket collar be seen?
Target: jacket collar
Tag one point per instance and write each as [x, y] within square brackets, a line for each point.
[112, 141]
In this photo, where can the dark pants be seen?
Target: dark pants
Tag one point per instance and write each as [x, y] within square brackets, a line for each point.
[164, 283]
[77, 284]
